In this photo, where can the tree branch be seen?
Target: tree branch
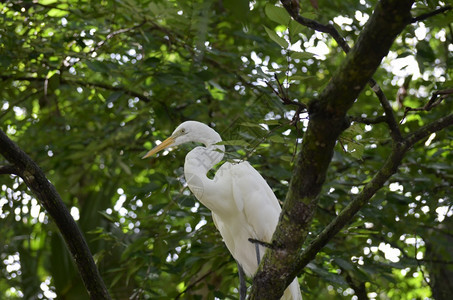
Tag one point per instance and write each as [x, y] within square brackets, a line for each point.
[115, 33]
[395, 132]
[85, 84]
[358, 286]
[345, 216]
[427, 130]
[49, 198]
[9, 170]
[436, 99]
[431, 14]
[327, 121]
[330, 29]
[368, 121]
[387, 170]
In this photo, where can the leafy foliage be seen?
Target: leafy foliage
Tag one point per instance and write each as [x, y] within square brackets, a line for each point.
[87, 87]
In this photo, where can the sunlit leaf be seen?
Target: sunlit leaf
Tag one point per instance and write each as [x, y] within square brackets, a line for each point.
[273, 36]
[277, 14]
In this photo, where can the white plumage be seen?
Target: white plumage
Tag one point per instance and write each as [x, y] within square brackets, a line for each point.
[243, 205]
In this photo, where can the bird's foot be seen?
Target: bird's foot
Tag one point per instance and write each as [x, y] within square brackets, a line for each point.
[257, 248]
[264, 244]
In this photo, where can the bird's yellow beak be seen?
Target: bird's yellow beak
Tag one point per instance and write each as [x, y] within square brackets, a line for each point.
[167, 143]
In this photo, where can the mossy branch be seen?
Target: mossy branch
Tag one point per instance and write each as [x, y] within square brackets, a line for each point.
[327, 121]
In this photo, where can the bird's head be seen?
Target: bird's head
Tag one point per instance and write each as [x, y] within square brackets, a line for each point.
[189, 131]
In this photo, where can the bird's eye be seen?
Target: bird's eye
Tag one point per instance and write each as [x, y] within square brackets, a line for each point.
[183, 130]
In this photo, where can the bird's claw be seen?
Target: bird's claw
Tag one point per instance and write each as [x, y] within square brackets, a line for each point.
[264, 244]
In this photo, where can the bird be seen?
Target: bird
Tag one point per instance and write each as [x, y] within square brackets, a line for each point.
[242, 204]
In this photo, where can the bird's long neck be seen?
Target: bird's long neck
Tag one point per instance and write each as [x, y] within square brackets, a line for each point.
[198, 163]
[201, 159]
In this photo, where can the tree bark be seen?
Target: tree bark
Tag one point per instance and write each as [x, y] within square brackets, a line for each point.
[439, 268]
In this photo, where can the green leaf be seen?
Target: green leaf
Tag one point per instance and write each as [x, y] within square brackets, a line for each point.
[107, 216]
[58, 13]
[53, 83]
[295, 28]
[125, 167]
[47, 2]
[241, 143]
[337, 279]
[301, 78]
[250, 124]
[279, 40]
[117, 278]
[355, 150]
[405, 54]
[271, 122]
[287, 158]
[97, 66]
[114, 96]
[239, 8]
[277, 139]
[344, 264]
[302, 55]
[356, 128]
[186, 201]
[277, 14]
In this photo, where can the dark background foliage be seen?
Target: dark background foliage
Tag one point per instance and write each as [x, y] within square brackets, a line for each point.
[88, 86]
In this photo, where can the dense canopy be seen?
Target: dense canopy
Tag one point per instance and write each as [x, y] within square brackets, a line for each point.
[87, 87]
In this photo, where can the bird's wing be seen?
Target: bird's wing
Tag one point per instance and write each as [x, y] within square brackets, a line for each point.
[227, 235]
[255, 199]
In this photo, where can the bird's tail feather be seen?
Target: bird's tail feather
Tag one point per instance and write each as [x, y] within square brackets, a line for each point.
[293, 291]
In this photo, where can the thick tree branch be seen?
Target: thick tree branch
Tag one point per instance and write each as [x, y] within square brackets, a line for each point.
[327, 121]
[35, 179]
[9, 170]
[427, 130]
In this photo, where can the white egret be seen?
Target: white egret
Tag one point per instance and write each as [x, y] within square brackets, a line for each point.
[243, 205]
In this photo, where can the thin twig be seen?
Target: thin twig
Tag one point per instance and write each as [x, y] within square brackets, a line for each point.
[115, 33]
[83, 83]
[281, 93]
[432, 13]
[395, 133]
[368, 120]
[329, 28]
[420, 265]
[193, 284]
[261, 140]
[12, 105]
[436, 99]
